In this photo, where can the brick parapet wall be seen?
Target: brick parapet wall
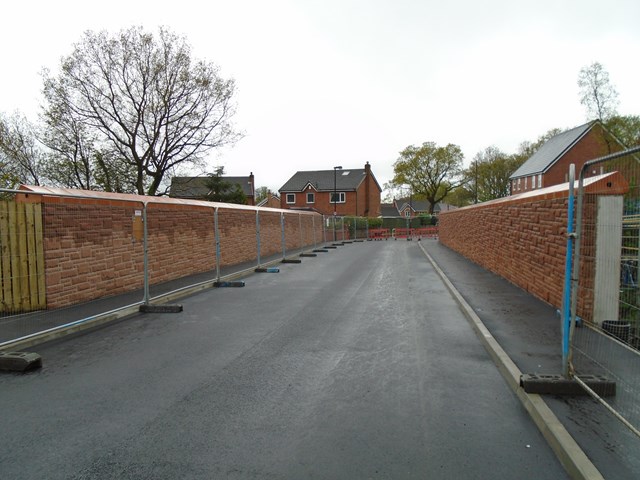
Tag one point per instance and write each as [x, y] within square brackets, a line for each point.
[91, 251]
[523, 238]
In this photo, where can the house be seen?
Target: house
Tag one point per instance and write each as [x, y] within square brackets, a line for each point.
[410, 208]
[550, 164]
[195, 188]
[270, 201]
[341, 191]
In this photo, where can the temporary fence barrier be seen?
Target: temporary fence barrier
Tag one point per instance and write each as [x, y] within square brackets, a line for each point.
[601, 311]
[415, 233]
[67, 255]
[379, 234]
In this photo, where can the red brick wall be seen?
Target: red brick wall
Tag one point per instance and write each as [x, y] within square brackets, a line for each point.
[90, 251]
[523, 238]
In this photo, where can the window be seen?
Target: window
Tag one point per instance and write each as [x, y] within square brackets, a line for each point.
[526, 179]
[291, 198]
[518, 184]
[407, 213]
[338, 197]
[540, 181]
[533, 182]
[311, 197]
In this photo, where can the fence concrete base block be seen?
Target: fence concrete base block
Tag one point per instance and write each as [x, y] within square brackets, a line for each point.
[160, 308]
[358, 241]
[291, 260]
[332, 247]
[267, 270]
[239, 283]
[347, 242]
[559, 385]
[308, 255]
[19, 361]
[337, 244]
[321, 250]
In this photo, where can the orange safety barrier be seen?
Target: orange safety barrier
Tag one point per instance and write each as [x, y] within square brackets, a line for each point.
[379, 234]
[402, 233]
[419, 233]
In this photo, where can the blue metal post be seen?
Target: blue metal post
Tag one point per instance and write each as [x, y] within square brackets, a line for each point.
[566, 297]
[217, 234]
[284, 240]
[145, 254]
[258, 235]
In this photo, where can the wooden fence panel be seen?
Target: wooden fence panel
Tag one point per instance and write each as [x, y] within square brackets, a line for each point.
[22, 271]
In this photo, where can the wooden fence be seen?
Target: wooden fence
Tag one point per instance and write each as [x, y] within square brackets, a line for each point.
[22, 271]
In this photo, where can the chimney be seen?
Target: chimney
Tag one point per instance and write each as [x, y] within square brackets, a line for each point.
[367, 181]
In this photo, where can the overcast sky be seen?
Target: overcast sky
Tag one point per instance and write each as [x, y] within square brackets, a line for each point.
[342, 82]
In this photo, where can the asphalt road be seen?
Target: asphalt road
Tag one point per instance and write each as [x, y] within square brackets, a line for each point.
[529, 331]
[355, 364]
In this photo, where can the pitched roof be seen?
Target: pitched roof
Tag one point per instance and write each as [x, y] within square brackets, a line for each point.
[388, 210]
[418, 206]
[266, 199]
[322, 180]
[195, 187]
[551, 151]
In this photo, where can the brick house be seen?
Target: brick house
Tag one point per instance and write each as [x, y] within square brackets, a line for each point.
[355, 192]
[270, 201]
[410, 208]
[195, 188]
[550, 164]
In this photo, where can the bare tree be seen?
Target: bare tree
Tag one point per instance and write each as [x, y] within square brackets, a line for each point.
[21, 155]
[141, 103]
[597, 94]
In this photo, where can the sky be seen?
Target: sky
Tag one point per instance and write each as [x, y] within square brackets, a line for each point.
[344, 82]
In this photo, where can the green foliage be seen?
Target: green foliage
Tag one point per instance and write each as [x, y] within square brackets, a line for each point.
[221, 190]
[488, 175]
[375, 222]
[625, 128]
[261, 193]
[430, 171]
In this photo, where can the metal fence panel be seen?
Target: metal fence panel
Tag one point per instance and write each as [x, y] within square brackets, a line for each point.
[605, 334]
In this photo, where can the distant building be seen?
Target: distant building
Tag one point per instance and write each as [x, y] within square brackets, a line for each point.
[410, 208]
[271, 201]
[355, 192]
[550, 164]
[195, 188]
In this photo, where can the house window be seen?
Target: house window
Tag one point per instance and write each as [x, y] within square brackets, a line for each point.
[518, 184]
[407, 213]
[540, 181]
[525, 182]
[533, 182]
[311, 197]
[291, 198]
[338, 197]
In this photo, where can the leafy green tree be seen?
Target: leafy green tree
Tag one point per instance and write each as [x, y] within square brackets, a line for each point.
[462, 195]
[625, 128]
[261, 193]
[221, 190]
[430, 171]
[489, 173]
[140, 104]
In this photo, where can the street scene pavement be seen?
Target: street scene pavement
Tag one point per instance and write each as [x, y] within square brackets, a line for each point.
[354, 364]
